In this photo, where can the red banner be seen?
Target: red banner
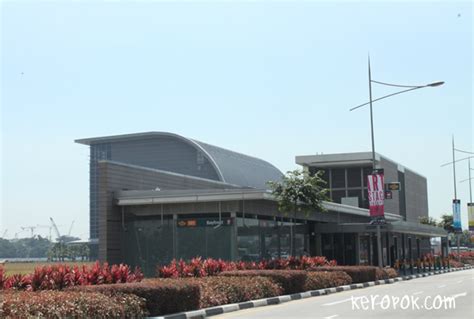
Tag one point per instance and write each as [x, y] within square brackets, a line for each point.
[376, 193]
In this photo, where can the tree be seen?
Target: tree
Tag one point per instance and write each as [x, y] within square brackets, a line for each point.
[429, 221]
[465, 239]
[299, 192]
[447, 223]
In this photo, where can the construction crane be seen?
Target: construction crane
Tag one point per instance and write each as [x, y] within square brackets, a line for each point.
[70, 228]
[55, 228]
[31, 228]
[50, 228]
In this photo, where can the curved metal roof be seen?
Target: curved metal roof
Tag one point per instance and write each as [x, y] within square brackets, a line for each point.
[242, 169]
[231, 167]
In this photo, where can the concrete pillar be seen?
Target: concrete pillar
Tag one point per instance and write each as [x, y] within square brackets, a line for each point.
[357, 249]
[233, 239]
[175, 236]
[319, 250]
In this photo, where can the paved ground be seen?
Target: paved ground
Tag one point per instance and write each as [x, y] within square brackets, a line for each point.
[418, 296]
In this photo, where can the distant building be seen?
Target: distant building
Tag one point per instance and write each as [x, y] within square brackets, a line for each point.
[157, 196]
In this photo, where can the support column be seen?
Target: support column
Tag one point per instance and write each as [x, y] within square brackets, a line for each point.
[233, 238]
[357, 249]
[175, 236]
[319, 250]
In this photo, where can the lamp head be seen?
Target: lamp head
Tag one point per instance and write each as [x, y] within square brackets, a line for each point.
[435, 84]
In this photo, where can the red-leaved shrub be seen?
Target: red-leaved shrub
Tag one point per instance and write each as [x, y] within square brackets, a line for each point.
[58, 277]
[292, 281]
[62, 304]
[163, 296]
[197, 267]
[225, 290]
[358, 274]
[322, 279]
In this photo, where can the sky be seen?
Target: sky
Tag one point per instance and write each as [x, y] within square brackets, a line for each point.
[268, 79]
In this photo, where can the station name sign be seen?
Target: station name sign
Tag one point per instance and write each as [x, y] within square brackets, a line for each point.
[199, 222]
[393, 186]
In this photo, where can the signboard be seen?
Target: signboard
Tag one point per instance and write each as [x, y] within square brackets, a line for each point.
[394, 186]
[376, 194]
[388, 195]
[470, 215]
[457, 215]
[200, 222]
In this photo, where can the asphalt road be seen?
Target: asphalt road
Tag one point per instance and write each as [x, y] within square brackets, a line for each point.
[448, 295]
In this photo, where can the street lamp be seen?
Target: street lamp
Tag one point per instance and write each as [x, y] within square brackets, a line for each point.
[458, 237]
[408, 88]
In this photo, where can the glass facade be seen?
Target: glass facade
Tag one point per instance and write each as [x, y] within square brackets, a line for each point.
[347, 182]
[147, 243]
[262, 238]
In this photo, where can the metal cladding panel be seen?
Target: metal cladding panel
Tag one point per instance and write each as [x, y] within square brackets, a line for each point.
[165, 153]
[391, 175]
[243, 170]
[416, 194]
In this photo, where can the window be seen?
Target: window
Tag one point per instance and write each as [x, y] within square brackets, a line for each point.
[338, 176]
[337, 195]
[354, 177]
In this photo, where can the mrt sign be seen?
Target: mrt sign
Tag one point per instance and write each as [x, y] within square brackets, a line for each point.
[376, 193]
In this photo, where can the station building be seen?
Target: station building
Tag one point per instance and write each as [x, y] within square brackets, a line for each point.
[156, 196]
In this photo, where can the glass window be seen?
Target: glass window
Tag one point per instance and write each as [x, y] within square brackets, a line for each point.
[354, 177]
[147, 243]
[338, 177]
[337, 195]
[356, 193]
[248, 239]
[204, 237]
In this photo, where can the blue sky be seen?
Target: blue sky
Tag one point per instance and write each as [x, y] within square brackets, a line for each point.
[268, 79]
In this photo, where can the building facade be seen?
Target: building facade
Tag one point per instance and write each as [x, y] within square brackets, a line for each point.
[157, 196]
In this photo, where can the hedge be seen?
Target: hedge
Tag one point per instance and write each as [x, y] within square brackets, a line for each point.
[225, 290]
[322, 279]
[385, 273]
[62, 304]
[198, 267]
[60, 276]
[162, 296]
[358, 274]
[292, 281]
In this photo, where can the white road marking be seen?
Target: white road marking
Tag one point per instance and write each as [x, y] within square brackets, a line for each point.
[330, 317]
[337, 302]
[417, 293]
[459, 295]
[442, 286]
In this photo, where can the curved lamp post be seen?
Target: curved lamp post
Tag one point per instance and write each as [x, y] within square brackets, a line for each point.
[407, 88]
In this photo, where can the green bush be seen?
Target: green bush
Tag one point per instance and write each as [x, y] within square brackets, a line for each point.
[62, 304]
[225, 290]
[292, 281]
[322, 279]
[358, 274]
[162, 296]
